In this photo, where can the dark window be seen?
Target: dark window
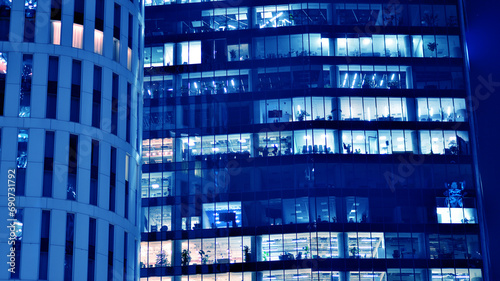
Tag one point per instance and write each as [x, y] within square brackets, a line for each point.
[96, 98]
[139, 34]
[213, 51]
[76, 78]
[126, 198]
[112, 180]
[91, 256]
[114, 105]
[48, 164]
[79, 9]
[55, 9]
[111, 244]
[5, 7]
[68, 253]
[72, 167]
[130, 30]
[129, 105]
[52, 88]
[99, 15]
[116, 21]
[125, 252]
[44, 245]
[135, 254]
[94, 173]
[135, 204]
[138, 126]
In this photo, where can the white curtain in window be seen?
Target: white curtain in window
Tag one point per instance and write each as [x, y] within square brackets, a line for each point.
[55, 32]
[129, 59]
[98, 41]
[77, 36]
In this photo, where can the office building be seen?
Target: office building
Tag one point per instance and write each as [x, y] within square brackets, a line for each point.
[70, 105]
[308, 140]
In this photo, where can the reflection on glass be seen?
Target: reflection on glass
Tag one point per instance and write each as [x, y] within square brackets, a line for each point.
[25, 94]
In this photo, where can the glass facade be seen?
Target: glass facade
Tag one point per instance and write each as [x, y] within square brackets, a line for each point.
[307, 141]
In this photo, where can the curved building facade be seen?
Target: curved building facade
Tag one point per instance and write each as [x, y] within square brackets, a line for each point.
[71, 102]
[308, 140]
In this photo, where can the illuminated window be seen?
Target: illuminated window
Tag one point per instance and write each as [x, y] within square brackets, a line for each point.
[189, 52]
[77, 36]
[98, 41]
[55, 32]
[365, 245]
[116, 50]
[222, 215]
[129, 59]
[156, 254]
[157, 218]
[455, 208]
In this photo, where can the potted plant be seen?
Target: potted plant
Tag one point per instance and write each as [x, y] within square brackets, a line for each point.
[306, 252]
[301, 114]
[233, 55]
[203, 257]
[246, 251]
[161, 259]
[354, 252]
[265, 255]
[432, 46]
[185, 257]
